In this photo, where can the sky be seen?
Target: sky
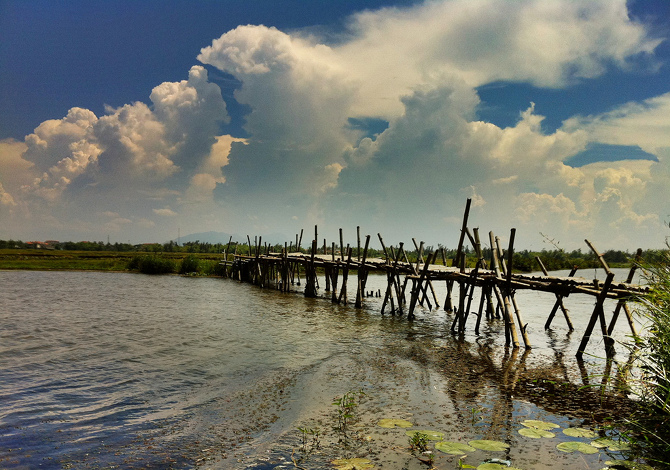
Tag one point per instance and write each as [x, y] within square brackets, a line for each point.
[141, 121]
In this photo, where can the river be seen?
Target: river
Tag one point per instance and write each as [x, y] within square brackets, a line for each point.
[119, 370]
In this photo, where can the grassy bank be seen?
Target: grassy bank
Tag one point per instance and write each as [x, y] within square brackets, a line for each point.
[57, 260]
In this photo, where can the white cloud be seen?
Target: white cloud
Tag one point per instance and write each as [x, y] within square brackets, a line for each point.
[547, 43]
[6, 199]
[646, 124]
[165, 212]
[416, 67]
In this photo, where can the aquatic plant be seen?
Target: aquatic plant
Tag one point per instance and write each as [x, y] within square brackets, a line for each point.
[454, 448]
[352, 464]
[431, 435]
[393, 423]
[489, 445]
[346, 409]
[418, 442]
[307, 444]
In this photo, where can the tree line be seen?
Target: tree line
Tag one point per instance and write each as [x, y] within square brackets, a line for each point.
[524, 260]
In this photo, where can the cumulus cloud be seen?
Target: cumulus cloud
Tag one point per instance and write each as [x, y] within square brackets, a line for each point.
[15, 170]
[300, 100]
[546, 43]
[416, 68]
[136, 153]
[210, 171]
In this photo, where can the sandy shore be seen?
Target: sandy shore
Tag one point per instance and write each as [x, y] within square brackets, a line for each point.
[464, 391]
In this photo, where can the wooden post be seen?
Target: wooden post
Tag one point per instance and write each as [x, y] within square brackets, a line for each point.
[345, 277]
[358, 246]
[362, 275]
[603, 263]
[341, 246]
[621, 304]
[429, 283]
[458, 319]
[559, 299]
[417, 289]
[464, 227]
[334, 272]
[510, 292]
[310, 274]
[503, 300]
[598, 314]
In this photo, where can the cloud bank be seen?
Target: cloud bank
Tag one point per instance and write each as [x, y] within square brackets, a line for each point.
[146, 169]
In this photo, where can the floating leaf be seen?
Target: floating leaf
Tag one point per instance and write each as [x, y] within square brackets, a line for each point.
[432, 435]
[495, 466]
[579, 432]
[352, 464]
[454, 448]
[614, 446]
[392, 423]
[485, 444]
[574, 446]
[628, 464]
[544, 425]
[534, 433]
[464, 465]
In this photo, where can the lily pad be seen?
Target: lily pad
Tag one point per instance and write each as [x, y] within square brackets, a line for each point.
[454, 448]
[628, 464]
[579, 432]
[575, 446]
[432, 435]
[352, 464]
[614, 446]
[534, 433]
[393, 423]
[535, 424]
[485, 444]
[495, 466]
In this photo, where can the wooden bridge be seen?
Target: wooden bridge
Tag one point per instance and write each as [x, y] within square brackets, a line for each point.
[494, 278]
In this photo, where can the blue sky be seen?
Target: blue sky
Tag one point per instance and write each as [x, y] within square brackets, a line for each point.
[134, 120]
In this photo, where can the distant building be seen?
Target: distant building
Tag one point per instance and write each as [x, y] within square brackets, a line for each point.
[51, 244]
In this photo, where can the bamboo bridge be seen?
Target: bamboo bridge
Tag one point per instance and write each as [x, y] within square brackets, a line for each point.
[494, 277]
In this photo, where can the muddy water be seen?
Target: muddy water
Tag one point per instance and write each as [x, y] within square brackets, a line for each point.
[103, 370]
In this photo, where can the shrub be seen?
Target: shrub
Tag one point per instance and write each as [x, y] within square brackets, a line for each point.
[151, 265]
[190, 264]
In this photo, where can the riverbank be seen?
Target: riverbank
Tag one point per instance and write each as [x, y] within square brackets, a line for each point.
[64, 260]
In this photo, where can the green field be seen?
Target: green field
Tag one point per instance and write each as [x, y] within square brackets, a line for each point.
[57, 260]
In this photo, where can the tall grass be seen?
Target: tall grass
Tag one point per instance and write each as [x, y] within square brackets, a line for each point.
[653, 419]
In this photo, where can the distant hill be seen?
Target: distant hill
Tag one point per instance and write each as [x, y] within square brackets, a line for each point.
[223, 237]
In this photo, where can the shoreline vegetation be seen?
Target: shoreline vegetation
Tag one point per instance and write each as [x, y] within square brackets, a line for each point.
[203, 258]
[646, 428]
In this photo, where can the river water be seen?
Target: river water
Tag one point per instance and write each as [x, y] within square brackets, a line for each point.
[118, 370]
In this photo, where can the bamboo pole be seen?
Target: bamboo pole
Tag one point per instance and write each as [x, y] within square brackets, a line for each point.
[463, 232]
[621, 304]
[362, 275]
[559, 299]
[598, 314]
